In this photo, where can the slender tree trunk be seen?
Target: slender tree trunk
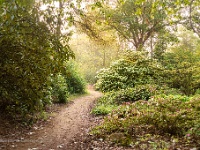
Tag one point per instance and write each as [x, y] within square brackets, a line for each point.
[59, 23]
[151, 47]
[104, 56]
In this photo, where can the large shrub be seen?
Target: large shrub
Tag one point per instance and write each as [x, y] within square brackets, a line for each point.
[29, 53]
[134, 69]
[143, 92]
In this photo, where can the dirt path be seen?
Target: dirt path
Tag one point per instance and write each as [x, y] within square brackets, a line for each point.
[69, 122]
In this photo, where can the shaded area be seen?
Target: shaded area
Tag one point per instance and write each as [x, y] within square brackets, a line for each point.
[57, 132]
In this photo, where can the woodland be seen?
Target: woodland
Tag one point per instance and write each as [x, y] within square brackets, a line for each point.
[143, 55]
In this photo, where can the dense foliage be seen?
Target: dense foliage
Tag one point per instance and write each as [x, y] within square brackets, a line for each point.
[152, 97]
[58, 92]
[182, 64]
[172, 115]
[134, 69]
[66, 84]
[75, 82]
[111, 100]
[179, 68]
[138, 21]
[149, 90]
[32, 61]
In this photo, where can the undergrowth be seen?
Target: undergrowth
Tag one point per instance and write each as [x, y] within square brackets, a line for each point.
[173, 116]
[113, 99]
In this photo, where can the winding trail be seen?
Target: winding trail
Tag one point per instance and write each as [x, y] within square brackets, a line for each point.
[70, 121]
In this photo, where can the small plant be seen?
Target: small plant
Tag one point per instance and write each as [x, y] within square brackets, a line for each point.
[103, 109]
[105, 104]
[197, 91]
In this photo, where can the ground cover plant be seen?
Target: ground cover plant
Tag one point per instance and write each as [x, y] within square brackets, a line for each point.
[132, 123]
[111, 100]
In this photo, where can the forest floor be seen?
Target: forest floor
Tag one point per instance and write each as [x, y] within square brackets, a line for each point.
[67, 128]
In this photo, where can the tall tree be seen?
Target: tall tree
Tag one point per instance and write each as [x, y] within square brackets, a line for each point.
[192, 20]
[135, 21]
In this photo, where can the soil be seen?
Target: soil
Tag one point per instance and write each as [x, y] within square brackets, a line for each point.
[61, 131]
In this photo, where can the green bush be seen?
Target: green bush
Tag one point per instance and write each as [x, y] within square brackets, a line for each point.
[140, 92]
[197, 91]
[166, 90]
[179, 69]
[128, 73]
[159, 115]
[107, 99]
[182, 67]
[134, 94]
[182, 98]
[70, 82]
[29, 53]
[75, 82]
[105, 104]
[103, 109]
[59, 91]
[111, 100]
[174, 114]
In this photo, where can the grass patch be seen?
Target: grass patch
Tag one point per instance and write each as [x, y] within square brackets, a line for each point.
[74, 96]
